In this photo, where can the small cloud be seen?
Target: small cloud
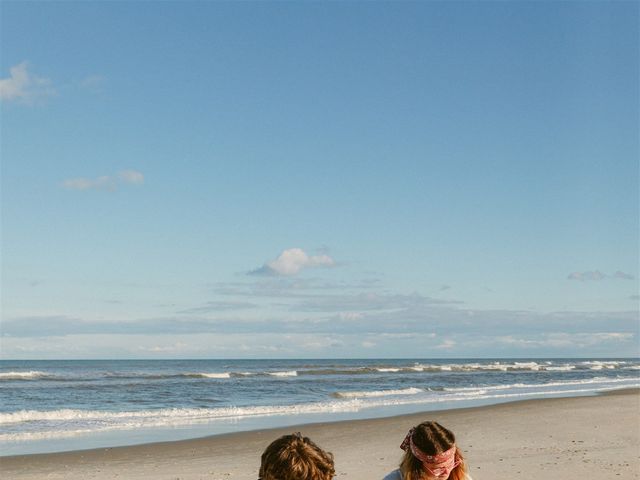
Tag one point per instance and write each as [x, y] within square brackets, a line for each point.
[565, 340]
[623, 276]
[634, 297]
[615, 336]
[598, 275]
[292, 261]
[366, 302]
[368, 344]
[445, 287]
[446, 345]
[131, 176]
[93, 83]
[23, 86]
[105, 182]
[315, 342]
[587, 276]
[407, 336]
[219, 307]
[176, 347]
[100, 183]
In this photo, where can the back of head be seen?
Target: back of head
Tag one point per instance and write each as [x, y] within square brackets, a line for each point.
[432, 439]
[294, 457]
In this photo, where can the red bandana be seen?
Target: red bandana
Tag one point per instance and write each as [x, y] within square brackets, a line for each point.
[439, 465]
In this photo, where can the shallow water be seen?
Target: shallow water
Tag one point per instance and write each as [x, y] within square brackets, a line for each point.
[61, 405]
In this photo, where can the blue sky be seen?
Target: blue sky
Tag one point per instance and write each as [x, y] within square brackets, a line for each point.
[311, 179]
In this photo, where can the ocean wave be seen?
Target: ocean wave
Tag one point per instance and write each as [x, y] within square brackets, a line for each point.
[30, 375]
[29, 425]
[211, 375]
[170, 416]
[51, 434]
[166, 376]
[346, 401]
[589, 381]
[563, 368]
[379, 393]
[432, 368]
[380, 369]
[289, 373]
[605, 362]
[337, 371]
[602, 367]
[535, 366]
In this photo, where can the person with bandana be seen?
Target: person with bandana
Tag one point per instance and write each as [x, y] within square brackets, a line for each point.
[431, 453]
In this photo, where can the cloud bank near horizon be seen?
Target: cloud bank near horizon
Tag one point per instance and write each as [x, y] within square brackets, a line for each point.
[328, 323]
[285, 313]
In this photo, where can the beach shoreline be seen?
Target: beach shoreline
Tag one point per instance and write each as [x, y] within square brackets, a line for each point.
[500, 441]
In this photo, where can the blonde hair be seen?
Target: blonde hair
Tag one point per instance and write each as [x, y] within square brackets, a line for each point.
[294, 457]
[432, 438]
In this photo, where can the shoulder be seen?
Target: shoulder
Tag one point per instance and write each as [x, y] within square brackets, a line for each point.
[395, 475]
[468, 477]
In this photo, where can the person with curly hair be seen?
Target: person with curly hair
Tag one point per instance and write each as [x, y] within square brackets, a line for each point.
[294, 457]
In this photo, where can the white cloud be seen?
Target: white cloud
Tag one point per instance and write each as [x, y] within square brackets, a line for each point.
[623, 275]
[105, 182]
[312, 342]
[612, 336]
[598, 275]
[565, 340]
[176, 347]
[584, 276]
[93, 83]
[292, 261]
[411, 336]
[101, 183]
[131, 176]
[21, 85]
[218, 306]
[366, 302]
[446, 345]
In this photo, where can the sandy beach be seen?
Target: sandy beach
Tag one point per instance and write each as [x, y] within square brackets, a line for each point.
[568, 438]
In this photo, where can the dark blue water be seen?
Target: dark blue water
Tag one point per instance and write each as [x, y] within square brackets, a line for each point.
[56, 405]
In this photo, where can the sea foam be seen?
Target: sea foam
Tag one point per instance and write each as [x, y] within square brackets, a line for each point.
[290, 373]
[30, 375]
[72, 422]
[380, 393]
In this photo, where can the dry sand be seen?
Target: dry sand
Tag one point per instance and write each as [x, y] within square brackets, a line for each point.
[582, 438]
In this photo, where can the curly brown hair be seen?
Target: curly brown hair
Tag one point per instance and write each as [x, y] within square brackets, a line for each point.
[294, 457]
[432, 438]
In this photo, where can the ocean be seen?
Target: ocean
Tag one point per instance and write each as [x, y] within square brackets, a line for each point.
[48, 406]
